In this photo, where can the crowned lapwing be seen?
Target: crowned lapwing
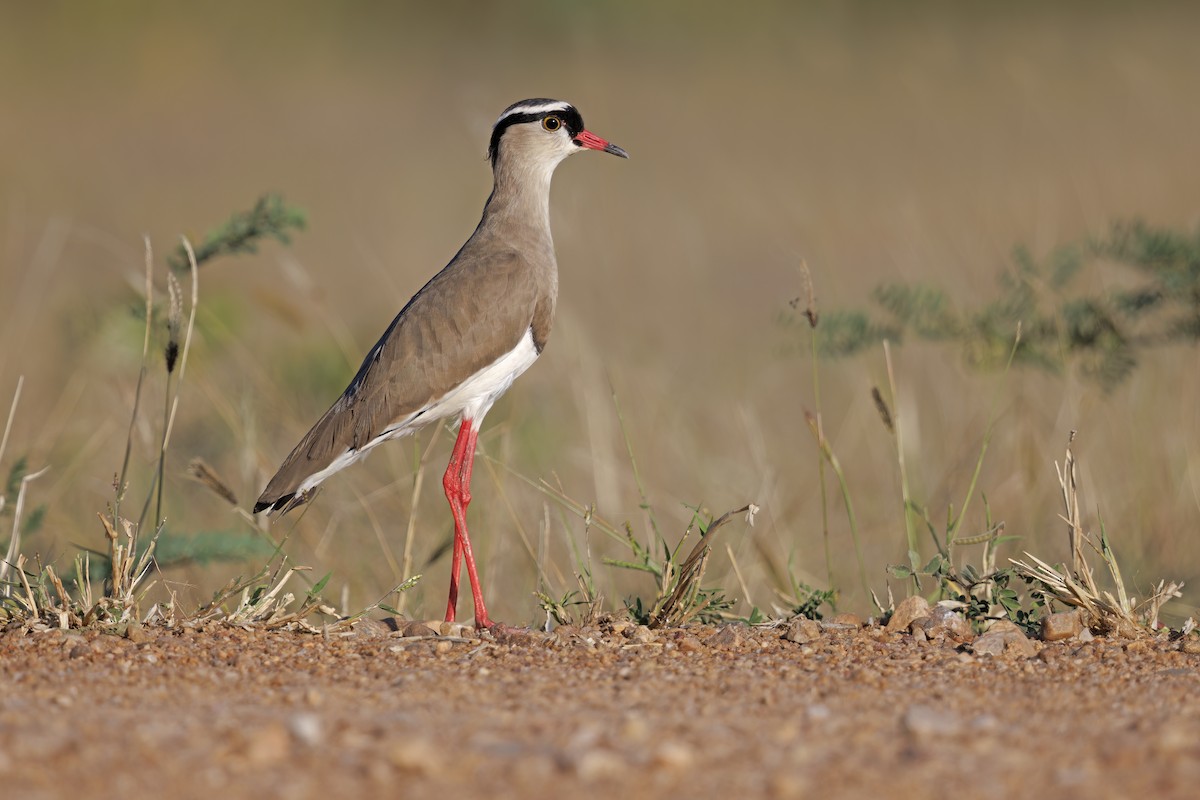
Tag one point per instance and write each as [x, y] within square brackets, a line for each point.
[462, 340]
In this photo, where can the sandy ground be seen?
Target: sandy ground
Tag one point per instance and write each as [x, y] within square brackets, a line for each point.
[605, 711]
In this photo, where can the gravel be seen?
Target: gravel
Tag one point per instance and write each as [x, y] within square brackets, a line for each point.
[737, 711]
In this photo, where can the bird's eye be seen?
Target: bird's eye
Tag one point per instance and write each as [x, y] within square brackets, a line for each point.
[551, 123]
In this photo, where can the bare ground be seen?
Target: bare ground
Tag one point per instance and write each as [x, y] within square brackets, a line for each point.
[602, 711]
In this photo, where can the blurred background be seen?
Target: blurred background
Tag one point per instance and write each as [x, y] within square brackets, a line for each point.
[872, 141]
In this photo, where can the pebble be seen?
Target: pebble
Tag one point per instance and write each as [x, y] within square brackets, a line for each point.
[596, 765]
[640, 634]
[1190, 645]
[136, 633]
[927, 722]
[618, 626]
[306, 728]
[635, 729]
[453, 629]
[416, 755]
[728, 636]
[270, 744]
[787, 786]
[673, 756]
[1062, 625]
[418, 629]
[847, 618]
[946, 622]
[910, 608]
[368, 628]
[803, 631]
[1011, 643]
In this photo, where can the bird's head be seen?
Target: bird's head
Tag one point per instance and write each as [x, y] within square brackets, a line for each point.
[540, 133]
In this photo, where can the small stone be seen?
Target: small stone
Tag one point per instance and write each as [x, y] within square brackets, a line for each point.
[1004, 642]
[803, 631]
[787, 786]
[673, 756]
[910, 608]
[689, 644]
[1060, 626]
[268, 745]
[727, 637]
[80, 650]
[136, 633]
[416, 755]
[1050, 654]
[918, 633]
[367, 628]
[306, 728]
[418, 629]
[1174, 736]
[618, 626]
[506, 635]
[945, 621]
[640, 634]
[926, 722]
[635, 729]
[848, 619]
[1190, 645]
[566, 633]
[596, 765]
[1086, 636]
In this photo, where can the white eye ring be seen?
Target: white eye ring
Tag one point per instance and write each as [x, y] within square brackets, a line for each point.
[551, 123]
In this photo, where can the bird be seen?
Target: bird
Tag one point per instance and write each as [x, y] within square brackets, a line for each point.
[462, 340]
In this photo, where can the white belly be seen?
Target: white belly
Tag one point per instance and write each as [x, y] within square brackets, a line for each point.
[470, 400]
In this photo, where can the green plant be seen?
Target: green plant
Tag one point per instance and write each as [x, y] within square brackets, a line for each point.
[807, 601]
[679, 596]
[1066, 319]
[270, 217]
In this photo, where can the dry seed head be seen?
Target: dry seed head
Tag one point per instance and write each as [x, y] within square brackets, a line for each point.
[174, 317]
[202, 472]
[810, 309]
[881, 406]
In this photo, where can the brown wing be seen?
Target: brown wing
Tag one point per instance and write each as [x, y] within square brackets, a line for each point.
[471, 313]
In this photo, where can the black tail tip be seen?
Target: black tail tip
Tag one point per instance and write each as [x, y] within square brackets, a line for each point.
[285, 503]
[273, 505]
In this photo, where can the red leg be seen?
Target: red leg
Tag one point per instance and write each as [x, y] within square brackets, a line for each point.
[481, 615]
[452, 483]
[457, 483]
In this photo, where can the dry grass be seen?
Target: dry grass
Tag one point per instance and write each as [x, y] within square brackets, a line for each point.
[1103, 611]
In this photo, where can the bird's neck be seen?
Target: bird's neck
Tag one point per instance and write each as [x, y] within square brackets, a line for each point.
[520, 199]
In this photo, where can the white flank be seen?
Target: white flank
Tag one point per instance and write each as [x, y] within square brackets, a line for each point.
[470, 400]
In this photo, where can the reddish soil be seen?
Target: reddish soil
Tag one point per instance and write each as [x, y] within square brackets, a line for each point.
[696, 712]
